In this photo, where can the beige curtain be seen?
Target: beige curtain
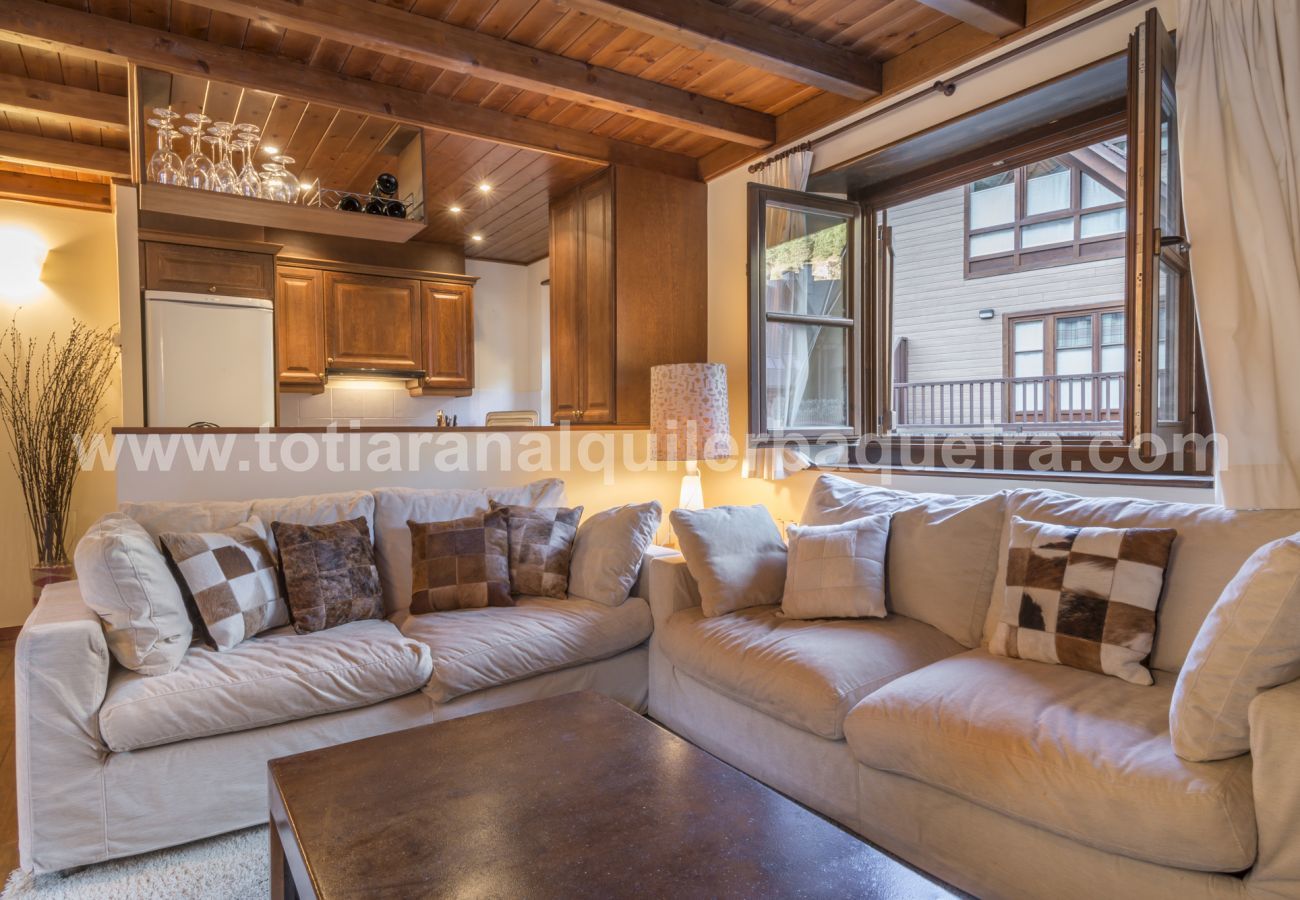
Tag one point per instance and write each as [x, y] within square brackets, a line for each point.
[775, 463]
[1238, 89]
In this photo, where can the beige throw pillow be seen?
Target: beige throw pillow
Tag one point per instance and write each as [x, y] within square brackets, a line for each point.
[735, 555]
[836, 571]
[608, 550]
[1083, 597]
[943, 550]
[125, 579]
[1249, 643]
[231, 578]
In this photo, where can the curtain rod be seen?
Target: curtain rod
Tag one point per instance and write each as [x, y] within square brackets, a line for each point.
[949, 87]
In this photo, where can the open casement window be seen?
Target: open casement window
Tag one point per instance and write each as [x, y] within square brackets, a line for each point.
[1163, 389]
[805, 372]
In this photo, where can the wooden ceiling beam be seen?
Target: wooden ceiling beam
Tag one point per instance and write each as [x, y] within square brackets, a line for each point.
[714, 28]
[59, 28]
[999, 17]
[61, 102]
[428, 41]
[56, 191]
[33, 150]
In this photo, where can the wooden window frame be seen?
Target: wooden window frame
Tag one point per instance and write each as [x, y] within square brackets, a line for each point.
[1061, 253]
[759, 196]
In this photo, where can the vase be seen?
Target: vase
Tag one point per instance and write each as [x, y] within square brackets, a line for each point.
[44, 575]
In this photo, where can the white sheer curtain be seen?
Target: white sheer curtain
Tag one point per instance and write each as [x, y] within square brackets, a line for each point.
[774, 463]
[1238, 89]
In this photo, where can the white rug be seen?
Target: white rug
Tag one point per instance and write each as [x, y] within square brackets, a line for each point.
[233, 866]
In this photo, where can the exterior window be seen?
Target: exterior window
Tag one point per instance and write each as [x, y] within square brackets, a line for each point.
[1077, 379]
[801, 278]
[1052, 212]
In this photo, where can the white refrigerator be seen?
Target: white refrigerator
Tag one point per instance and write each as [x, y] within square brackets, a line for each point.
[209, 360]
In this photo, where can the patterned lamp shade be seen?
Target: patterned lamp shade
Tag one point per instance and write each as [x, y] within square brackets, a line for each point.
[688, 412]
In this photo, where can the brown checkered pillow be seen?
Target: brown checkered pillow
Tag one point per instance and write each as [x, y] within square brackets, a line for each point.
[461, 564]
[228, 577]
[541, 546]
[329, 573]
[1083, 597]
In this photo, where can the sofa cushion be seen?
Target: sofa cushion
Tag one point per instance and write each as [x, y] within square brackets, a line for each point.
[836, 571]
[1249, 643]
[608, 550]
[214, 515]
[394, 507]
[1075, 753]
[319, 509]
[942, 549]
[276, 677]
[475, 649]
[126, 581]
[735, 555]
[1212, 545]
[808, 674]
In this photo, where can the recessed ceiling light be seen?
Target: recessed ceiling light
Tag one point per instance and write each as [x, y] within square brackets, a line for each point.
[453, 209]
[266, 148]
[477, 237]
[485, 187]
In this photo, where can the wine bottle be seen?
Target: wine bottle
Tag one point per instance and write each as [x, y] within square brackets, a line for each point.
[385, 185]
[349, 204]
[376, 207]
[396, 209]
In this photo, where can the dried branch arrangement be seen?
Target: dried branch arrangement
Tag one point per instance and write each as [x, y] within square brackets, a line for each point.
[47, 402]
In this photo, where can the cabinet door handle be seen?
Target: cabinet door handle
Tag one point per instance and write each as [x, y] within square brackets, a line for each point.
[212, 289]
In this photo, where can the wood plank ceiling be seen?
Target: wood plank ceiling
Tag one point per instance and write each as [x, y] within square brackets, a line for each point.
[690, 86]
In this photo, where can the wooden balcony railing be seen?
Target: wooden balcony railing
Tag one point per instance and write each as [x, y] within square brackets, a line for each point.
[1092, 402]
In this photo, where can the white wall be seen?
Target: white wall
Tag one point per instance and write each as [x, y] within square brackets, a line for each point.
[508, 347]
[728, 290]
[79, 281]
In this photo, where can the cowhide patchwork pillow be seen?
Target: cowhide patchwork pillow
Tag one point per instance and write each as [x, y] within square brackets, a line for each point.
[1083, 597]
[460, 564]
[541, 547]
[329, 573]
[228, 577]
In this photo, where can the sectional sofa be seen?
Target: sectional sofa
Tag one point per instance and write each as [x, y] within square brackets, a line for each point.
[1006, 777]
[113, 763]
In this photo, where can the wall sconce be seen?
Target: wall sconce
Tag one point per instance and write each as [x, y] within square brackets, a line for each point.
[22, 257]
[986, 313]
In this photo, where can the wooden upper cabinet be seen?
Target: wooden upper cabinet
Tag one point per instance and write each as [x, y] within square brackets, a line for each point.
[628, 291]
[566, 320]
[372, 322]
[300, 328]
[447, 339]
[208, 270]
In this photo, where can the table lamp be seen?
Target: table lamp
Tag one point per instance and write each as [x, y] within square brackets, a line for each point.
[688, 420]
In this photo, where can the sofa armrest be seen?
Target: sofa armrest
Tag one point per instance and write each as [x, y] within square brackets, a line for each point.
[1274, 737]
[671, 588]
[61, 667]
[642, 586]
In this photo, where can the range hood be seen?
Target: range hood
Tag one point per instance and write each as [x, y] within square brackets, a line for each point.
[363, 372]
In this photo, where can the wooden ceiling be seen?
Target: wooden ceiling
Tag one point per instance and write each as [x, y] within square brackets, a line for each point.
[529, 95]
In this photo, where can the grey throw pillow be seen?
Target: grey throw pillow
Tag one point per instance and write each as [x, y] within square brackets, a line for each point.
[608, 550]
[734, 553]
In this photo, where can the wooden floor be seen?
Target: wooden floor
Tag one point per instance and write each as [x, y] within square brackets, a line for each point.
[8, 783]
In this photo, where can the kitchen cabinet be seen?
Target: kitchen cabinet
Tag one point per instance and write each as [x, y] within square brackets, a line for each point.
[387, 322]
[300, 328]
[372, 323]
[628, 291]
[446, 339]
[194, 269]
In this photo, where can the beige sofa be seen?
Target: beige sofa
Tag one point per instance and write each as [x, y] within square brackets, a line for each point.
[112, 763]
[1007, 778]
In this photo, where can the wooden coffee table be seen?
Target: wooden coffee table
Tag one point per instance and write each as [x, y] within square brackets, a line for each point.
[574, 796]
